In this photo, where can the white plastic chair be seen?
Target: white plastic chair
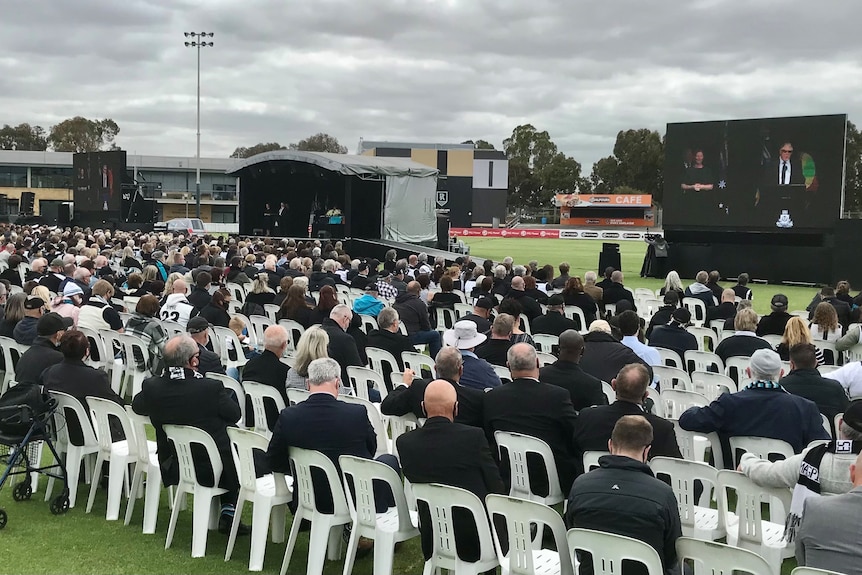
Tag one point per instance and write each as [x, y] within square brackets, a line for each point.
[394, 525]
[698, 518]
[734, 367]
[577, 315]
[671, 377]
[644, 293]
[762, 447]
[523, 558]
[134, 348]
[12, 352]
[717, 325]
[361, 376]
[76, 455]
[398, 426]
[462, 309]
[502, 372]
[546, 342]
[825, 370]
[326, 528]
[98, 355]
[545, 358]
[718, 558]
[229, 342]
[697, 309]
[369, 322]
[417, 362]
[655, 396]
[772, 339]
[517, 446]
[525, 323]
[147, 464]
[441, 501]
[258, 324]
[746, 527]
[376, 420]
[295, 395]
[609, 392]
[230, 383]
[446, 318]
[669, 357]
[378, 357]
[259, 393]
[590, 459]
[294, 332]
[693, 445]
[205, 513]
[706, 338]
[853, 354]
[118, 454]
[609, 550]
[269, 495]
[676, 401]
[610, 310]
[831, 355]
[648, 306]
[712, 385]
[813, 571]
[271, 310]
[696, 360]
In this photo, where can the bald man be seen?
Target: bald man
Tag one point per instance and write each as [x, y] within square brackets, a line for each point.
[726, 309]
[531, 307]
[177, 307]
[268, 369]
[442, 451]
[584, 389]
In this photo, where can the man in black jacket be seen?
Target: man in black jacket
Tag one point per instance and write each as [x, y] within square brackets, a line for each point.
[269, 370]
[200, 296]
[724, 310]
[449, 365]
[183, 396]
[605, 355]
[663, 314]
[623, 496]
[533, 408]
[584, 389]
[495, 348]
[414, 313]
[553, 322]
[209, 361]
[616, 291]
[481, 315]
[43, 353]
[342, 346]
[447, 452]
[774, 323]
[388, 337]
[594, 425]
[804, 380]
[531, 307]
[674, 335]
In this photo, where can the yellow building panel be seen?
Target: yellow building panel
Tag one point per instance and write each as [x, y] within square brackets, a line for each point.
[459, 163]
[56, 194]
[425, 157]
[371, 152]
[171, 211]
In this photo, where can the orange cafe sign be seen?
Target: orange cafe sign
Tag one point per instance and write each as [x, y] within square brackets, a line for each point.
[603, 201]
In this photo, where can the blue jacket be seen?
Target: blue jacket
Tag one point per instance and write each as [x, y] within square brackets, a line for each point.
[368, 305]
[478, 373]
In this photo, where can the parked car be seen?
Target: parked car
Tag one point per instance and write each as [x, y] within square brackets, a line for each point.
[188, 226]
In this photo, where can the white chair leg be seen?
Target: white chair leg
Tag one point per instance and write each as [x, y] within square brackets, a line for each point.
[291, 541]
[116, 482]
[259, 528]
[73, 471]
[333, 545]
[350, 554]
[234, 527]
[318, 545]
[151, 503]
[172, 525]
[278, 520]
[384, 552]
[201, 512]
[94, 485]
[134, 493]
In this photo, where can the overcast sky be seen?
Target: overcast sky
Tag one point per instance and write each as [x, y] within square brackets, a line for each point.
[422, 70]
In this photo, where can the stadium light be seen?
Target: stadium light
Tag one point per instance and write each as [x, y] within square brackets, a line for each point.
[198, 43]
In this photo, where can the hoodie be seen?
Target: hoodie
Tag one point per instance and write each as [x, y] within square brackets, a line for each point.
[413, 313]
[367, 305]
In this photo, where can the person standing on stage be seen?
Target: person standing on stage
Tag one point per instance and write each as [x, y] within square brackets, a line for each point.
[267, 219]
[281, 218]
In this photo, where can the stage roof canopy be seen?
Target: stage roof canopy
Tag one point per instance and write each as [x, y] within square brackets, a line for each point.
[346, 164]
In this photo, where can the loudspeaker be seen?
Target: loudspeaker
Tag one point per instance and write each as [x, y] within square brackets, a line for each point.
[28, 200]
[64, 214]
[324, 234]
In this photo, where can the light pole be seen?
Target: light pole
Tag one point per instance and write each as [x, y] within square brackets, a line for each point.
[198, 41]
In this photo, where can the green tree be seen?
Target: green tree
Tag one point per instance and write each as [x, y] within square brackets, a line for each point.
[320, 142]
[79, 134]
[536, 168]
[243, 152]
[524, 186]
[560, 176]
[853, 169]
[605, 175]
[23, 137]
[641, 161]
[480, 144]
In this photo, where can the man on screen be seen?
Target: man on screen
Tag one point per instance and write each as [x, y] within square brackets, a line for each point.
[787, 170]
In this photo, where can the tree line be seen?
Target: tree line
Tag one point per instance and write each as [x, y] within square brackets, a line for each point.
[76, 134]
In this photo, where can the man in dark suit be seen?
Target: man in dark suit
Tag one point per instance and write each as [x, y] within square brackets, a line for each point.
[183, 396]
[616, 291]
[553, 322]
[282, 219]
[342, 347]
[269, 370]
[329, 426]
[594, 426]
[407, 397]
[584, 389]
[531, 307]
[544, 411]
[787, 171]
[804, 380]
[388, 337]
[443, 451]
[43, 353]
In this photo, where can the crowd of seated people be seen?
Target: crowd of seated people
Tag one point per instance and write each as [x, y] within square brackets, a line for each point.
[173, 291]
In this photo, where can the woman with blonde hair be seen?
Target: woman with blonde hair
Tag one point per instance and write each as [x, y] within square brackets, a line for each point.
[824, 324]
[673, 283]
[795, 332]
[312, 345]
[261, 293]
[42, 292]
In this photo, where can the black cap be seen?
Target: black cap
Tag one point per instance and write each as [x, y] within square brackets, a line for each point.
[197, 324]
[51, 323]
[34, 302]
[779, 301]
[556, 299]
[853, 415]
[681, 316]
[484, 303]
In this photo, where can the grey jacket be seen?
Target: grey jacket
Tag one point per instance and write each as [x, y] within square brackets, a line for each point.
[829, 535]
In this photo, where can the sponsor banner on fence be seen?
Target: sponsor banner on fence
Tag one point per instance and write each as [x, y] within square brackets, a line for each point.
[546, 233]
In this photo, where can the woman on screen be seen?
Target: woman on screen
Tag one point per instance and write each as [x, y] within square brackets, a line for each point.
[698, 178]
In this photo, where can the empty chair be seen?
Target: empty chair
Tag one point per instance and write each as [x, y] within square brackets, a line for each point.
[545, 342]
[394, 525]
[376, 420]
[718, 558]
[146, 464]
[676, 401]
[369, 322]
[545, 358]
[746, 527]
[269, 495]
[762, 447]
[517, 446]
[669, 357]
[706, 338]
[294, 332]
[417, 362]
[119, 454]
[206, 507]
[441, 501]
[69, 407]
[696, 360]
[360, 377]
[522, 557]
[697, 309]
[735, 368]
[609, 550]
[326, 526]
[446, 318]
[381, 360]
[138, 361]
[698, 518]
[259, 393]
[711, 384]
[671, 377]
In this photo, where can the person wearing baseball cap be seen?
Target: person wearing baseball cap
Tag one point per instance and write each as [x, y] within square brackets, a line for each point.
[25, 330]
[554, 322]
[43, 352]
[775, 322]
[198, 329]
[481, 314]
[673, 335]
[478, 373]
[762, 409]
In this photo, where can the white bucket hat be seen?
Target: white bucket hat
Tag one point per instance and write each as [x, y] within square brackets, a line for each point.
[463, 335]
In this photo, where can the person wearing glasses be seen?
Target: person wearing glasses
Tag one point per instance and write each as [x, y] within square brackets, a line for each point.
[775, 192]
[788, 169]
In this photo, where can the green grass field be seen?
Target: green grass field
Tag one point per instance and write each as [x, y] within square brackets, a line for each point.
[583, 255]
